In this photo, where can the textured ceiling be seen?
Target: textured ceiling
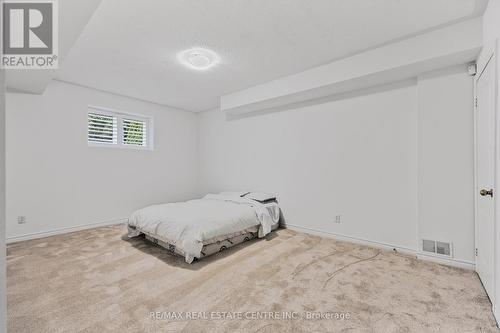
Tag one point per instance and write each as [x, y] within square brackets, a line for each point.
[129, 47]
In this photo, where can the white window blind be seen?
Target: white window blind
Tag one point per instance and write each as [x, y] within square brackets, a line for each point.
[135, 132]
[116, 129]
[102, 128]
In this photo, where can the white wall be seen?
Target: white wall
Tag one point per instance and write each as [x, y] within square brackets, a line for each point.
[491, 27]
[491, 35]
[57, 181]
[446, 159]
[357, 157]
[3, 284]
[353, 157]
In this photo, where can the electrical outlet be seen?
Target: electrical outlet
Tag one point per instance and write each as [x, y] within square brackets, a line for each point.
[337, 219]
[21, 219]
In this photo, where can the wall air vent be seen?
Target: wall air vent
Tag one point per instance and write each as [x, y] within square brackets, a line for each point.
[436, 247]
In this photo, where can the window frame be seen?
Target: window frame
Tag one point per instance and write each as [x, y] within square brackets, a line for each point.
[119, 123]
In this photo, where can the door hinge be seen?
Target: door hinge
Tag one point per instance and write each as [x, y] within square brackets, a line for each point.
[475, 252]
[475, 102]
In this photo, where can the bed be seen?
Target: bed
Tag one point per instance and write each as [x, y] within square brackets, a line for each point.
[198, 228]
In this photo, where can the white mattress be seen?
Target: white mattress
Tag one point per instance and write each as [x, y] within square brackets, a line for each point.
[191, 224]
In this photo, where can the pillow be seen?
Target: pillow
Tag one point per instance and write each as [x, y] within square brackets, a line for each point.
[234, 194]
[260, 196]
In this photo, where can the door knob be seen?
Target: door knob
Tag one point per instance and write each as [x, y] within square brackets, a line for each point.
[486, 192]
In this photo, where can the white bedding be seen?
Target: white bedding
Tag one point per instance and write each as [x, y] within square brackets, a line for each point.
[191, 224]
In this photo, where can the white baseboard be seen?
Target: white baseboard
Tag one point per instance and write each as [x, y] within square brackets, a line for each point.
[317, 232]
[64, 230]
[447, 261]
[384, 246]
[496, 314]
[356, 240]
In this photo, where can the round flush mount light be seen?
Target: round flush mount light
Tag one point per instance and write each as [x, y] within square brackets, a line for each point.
[198, 58]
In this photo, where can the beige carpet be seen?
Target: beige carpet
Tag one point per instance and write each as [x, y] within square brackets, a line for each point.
[99, 281]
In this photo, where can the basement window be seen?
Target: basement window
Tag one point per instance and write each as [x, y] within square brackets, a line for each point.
[109, 128]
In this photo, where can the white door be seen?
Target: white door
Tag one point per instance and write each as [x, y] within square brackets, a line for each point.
[485, 142]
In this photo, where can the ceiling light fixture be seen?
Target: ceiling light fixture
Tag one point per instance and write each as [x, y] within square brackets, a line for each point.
[198, 58]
